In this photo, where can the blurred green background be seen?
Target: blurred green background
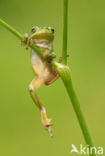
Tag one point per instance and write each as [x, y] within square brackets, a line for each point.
[21, 131]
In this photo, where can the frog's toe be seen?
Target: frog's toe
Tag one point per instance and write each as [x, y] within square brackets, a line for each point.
[23, 43]
[46, 121]
[26, 36]
[48, 128]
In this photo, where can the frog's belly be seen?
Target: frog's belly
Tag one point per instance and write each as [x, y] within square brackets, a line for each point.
[39, 65]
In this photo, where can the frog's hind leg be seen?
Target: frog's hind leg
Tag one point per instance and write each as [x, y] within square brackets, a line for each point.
[52, 79]
[35, 84]
[54, 76]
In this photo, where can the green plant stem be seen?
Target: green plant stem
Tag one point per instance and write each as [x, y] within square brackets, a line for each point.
[18, 35]
[65, 75]
[11, 29]
[65, 29]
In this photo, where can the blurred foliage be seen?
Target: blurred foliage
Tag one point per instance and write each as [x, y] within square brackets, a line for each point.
[21, 132]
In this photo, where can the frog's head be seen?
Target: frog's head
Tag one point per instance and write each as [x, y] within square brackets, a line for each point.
[43, 33]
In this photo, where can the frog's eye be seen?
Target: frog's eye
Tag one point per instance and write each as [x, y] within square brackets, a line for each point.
[33, 29]
[52, 29]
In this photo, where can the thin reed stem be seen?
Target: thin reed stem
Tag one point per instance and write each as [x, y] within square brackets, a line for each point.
[65, 31]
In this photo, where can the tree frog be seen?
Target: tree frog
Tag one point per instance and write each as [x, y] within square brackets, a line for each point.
[42, 38]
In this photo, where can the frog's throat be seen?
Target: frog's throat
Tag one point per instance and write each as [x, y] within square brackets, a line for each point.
[44, 45]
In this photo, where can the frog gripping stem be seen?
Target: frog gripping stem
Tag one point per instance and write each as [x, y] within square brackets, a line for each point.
[45, 73]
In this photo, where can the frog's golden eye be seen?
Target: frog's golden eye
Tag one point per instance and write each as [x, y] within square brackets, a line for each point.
[52, 29]
[33, 29]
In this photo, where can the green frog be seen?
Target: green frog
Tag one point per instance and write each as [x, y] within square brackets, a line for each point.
[42, 38]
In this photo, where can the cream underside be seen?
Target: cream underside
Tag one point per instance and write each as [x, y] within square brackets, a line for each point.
[39, 65]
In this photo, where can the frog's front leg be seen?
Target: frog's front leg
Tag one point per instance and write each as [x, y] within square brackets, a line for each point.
[49, 56]
[35, 84]
[27, 41]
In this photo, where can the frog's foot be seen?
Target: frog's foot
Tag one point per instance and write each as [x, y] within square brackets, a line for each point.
[60, 58]
[27, 41]
[46, 122]
[49, 56]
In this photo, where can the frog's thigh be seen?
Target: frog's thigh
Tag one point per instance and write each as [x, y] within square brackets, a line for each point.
[36, 83]
[51, 79]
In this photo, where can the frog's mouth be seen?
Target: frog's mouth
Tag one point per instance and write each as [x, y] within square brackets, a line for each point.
[43, 36]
